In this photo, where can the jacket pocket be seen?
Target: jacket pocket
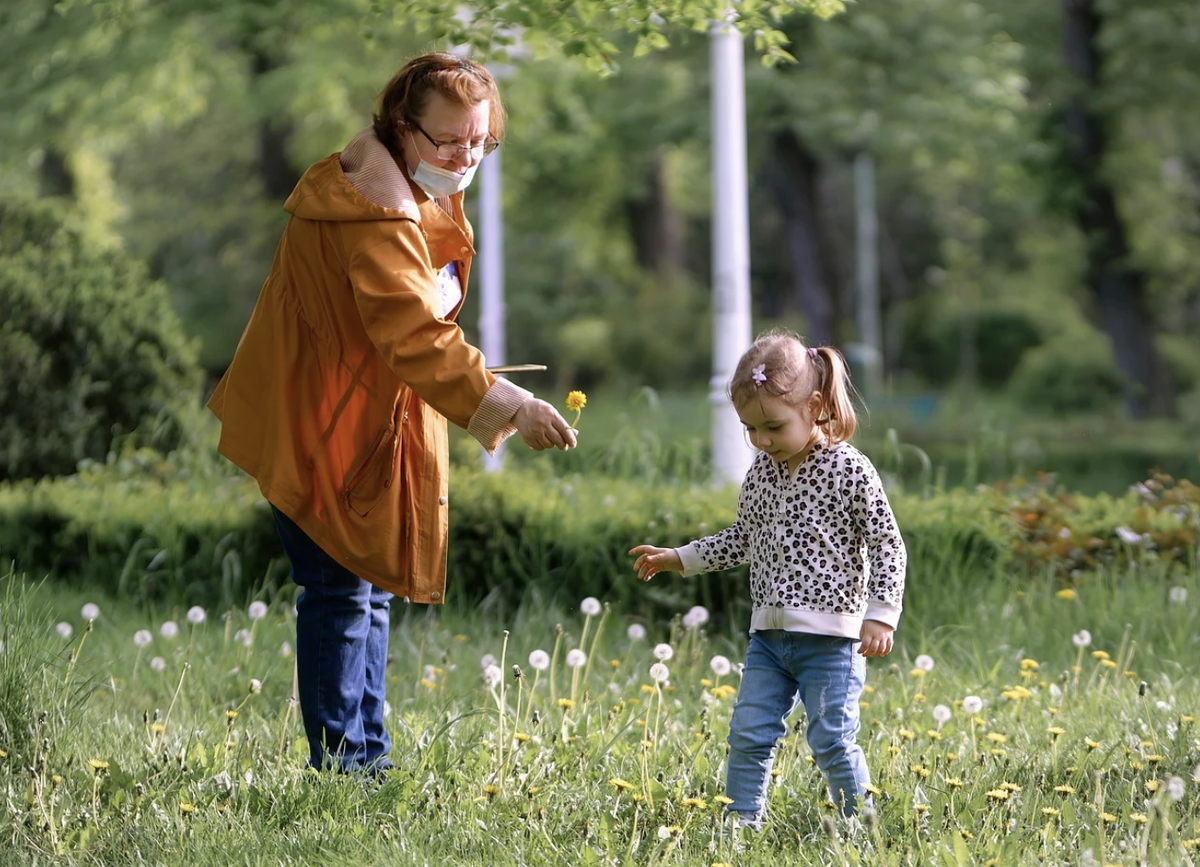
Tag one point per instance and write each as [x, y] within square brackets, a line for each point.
[367, 483]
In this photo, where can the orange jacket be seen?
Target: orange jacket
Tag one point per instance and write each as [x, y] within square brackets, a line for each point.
[338, 394]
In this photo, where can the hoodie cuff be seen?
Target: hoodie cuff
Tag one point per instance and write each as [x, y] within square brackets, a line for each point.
[882, 612]
[689, 556]
[492, 422]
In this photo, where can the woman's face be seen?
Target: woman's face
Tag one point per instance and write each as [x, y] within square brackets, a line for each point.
[445, 123]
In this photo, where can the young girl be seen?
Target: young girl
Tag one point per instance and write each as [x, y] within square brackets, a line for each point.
[826, 569]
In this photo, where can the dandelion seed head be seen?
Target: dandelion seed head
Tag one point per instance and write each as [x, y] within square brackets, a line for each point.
[663, 652]
[142, 637]
[243, 637]
[636, 632]
[659, 672]
[255, 686]
[492, 675]
[257, 610]
[1178, 595]
[487, 660]
[1176, 788]
[158, 664]
[576, 658]
[590, 606]
[196, 615]
[90, 611]
[720, 665]
[924, 662]
[941, 713]
[539, 660]
[1082, 638]
[64, 629]
[972, 704]
[285, 649]
[697, 616]
[169, 629]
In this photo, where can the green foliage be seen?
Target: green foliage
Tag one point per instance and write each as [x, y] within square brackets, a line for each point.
[1072, 373]
[90, 347]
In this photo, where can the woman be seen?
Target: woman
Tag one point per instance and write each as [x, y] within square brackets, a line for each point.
[337, 398]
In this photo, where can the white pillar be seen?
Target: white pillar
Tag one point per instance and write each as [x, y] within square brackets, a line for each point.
[867, 243]
[490, 265]
[731, 248]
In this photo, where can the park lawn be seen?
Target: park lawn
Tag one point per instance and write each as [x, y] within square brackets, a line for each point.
[186, 750]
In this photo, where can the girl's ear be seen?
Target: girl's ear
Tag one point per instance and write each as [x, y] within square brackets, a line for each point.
[815, 404]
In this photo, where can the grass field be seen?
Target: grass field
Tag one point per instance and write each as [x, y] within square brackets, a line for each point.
[129, 741]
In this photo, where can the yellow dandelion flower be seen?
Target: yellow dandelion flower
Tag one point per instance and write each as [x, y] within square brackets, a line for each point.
[491, 790]
[1100, 654]
[721, 864]
[705, 682]
[566, 702]
[723, 800]
[614, 664]
[231, 715]
[1091, 744]
[998, 753]
[186, 808]
[918, 697]
[966, 835]
[1140, 818]
[920, 770]
[864, 704]
[1152, 785]
[1055, 731]
[698, 803]
[874, 790]
[776, 773]
[1186, 719]
[1066, 593]
[623, 785]
[1065, 789]
[921, 808]
[576, 401]
[428, 684]
[1010, 787]
[158, 728]
[917, 672]
[996, 737]
[893, 750]
[951, 756]
[1108, 663]
[954, 783]
[3, 754]
[1154, 758]
[533, 790]
[523, 737]
[934, 735]
[998, 795]
[56, 779]
[1051, 812]
[98, 764]
[906, 734]
[1029, 664]
[648, 688]
[1107, 817]
[462, 639]
[1193, 843]
[1052, 710]
[868, 689]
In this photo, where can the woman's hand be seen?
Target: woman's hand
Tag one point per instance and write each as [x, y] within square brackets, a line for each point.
[541, 426]
[652, 560]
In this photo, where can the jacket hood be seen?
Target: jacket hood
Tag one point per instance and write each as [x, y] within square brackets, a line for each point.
[362, 182]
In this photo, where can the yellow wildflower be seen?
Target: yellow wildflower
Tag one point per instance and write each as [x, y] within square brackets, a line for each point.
[186, 808]
[1107, 817]
[623, 785]
[1152, 785]
[1051, 812]
[1066, 593]
[576, 401]
[1055, 731]
[906, 734]
[1027, 664]
[954, 783]
[566, 702]
[723, 800]
[996, 737]
[1140, 818]
[428, 684]
[698, 803]
[1065, 789]
[1091, 744]
[523, 737]
[1100, 654]
[98, 764]
[998, 795]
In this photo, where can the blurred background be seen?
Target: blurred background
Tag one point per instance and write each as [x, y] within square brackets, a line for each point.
[1036, 185]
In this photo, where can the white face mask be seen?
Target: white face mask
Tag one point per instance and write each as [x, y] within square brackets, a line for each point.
[437, 182]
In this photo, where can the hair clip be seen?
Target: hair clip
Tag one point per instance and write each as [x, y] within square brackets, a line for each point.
[812, 353]
[758, 374]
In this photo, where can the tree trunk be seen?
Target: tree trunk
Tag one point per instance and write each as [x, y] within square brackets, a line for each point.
[1120, 288]
[795, 188]
[278, 175]
[655, 224]
[55, 177]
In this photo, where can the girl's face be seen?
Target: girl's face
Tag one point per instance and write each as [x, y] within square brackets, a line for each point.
[783, 431]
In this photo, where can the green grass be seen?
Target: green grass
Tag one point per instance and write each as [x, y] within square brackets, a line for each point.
[188, 782]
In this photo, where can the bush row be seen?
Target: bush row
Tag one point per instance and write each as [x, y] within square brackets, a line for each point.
[212, 542]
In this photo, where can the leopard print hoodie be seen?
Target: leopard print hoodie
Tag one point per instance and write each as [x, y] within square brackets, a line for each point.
[824, 549]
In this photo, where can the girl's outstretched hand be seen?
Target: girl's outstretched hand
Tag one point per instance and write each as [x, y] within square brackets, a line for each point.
[652, 560]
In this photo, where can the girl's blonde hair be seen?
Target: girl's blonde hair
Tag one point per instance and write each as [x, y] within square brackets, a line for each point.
[780, 365]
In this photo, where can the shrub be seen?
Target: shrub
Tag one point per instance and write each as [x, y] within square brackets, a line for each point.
[933, 341]
[89, 345]
[1072, 373]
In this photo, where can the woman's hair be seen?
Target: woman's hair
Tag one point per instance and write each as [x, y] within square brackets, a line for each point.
[780, 365]
[459, 81]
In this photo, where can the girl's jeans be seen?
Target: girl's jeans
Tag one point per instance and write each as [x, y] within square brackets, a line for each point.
[341, 651]
[827, 674]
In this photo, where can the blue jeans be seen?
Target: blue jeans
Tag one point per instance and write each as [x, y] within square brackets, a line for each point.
[341, 652]
[782, 669]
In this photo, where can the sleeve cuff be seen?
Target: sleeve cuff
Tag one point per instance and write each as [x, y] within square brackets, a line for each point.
[689, 556]
[492, 422]
[883, 612]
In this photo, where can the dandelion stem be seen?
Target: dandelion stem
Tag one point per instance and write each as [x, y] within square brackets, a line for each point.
[500, 712]
[171, 706]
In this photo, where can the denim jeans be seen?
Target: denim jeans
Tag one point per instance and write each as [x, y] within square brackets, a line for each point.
[341, 652]
[782, 669]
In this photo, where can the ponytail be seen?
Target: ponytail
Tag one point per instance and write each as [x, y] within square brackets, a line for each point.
[836, 413]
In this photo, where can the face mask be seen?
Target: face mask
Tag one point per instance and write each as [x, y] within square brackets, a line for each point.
[441, 182]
